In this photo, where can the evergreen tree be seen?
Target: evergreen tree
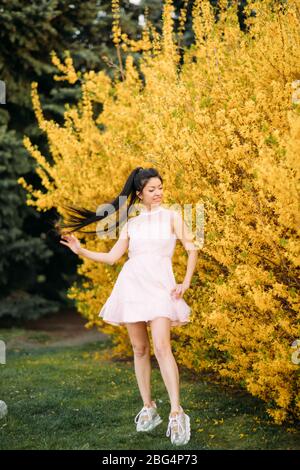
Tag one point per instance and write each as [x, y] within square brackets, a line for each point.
[35, 270]
[33, 265]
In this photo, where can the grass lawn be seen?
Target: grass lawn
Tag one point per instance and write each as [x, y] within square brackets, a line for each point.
[70, 398]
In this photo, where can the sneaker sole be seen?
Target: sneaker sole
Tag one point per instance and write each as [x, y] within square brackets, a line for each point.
[188, 432]
[155, 422]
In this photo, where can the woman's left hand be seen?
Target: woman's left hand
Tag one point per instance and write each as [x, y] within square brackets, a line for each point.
[178, 291]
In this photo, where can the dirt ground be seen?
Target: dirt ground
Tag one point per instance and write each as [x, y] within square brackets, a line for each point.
[64, 328]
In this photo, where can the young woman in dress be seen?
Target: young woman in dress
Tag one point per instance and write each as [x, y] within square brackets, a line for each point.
[145, 292]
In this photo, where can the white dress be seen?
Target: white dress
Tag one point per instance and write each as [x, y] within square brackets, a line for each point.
[142, 290]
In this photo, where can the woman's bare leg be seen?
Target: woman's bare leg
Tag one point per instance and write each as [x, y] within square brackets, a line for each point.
[139, 339]
[160, 329]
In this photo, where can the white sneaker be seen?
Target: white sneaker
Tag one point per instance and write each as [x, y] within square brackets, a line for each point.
[147, 419]
[179, 428]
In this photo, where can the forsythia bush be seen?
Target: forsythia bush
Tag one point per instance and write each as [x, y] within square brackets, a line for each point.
[223, 128]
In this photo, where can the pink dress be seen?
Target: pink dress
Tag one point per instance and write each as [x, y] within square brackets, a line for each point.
[142, 290]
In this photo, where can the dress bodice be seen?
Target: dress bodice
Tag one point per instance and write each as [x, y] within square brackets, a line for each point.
[151, 233]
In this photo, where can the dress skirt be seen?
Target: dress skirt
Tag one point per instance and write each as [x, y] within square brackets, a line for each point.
[142, 292]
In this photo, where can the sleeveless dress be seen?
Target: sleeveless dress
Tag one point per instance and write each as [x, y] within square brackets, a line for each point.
[142, 290]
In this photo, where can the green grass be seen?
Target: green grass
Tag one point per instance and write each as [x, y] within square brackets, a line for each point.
[65, 398]
[31, 336]
[7, 334]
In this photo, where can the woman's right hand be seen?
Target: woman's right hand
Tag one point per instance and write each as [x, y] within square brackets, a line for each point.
[72, 242]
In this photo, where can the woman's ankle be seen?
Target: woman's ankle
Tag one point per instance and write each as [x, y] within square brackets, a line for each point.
[150, 404]
[176, 410]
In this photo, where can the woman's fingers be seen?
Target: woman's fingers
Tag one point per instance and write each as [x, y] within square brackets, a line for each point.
[177, 291]
[68, 237]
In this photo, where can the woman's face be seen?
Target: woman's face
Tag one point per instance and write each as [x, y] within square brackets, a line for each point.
[153, 192]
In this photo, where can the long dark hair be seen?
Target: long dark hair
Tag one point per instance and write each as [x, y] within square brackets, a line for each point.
[79, 217]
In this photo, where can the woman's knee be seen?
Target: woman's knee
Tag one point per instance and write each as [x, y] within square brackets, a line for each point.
[141, 350]
[139, 339]
[162, 349]
[161, 336]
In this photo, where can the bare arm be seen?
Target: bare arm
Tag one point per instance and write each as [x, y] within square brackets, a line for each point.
[121, 246]
[185, 236]
[111, 257]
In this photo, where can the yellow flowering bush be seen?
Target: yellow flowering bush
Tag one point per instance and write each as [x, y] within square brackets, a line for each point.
[223, 129]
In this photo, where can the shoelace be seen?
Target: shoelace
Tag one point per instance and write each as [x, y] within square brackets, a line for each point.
[144, 410]
[172, 420]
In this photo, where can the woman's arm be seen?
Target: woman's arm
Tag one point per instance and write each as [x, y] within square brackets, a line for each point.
[182, 232]
[111, 257]
[98, 256]
[190, 268]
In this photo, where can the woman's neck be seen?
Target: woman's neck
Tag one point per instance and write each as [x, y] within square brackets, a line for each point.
[150, 209]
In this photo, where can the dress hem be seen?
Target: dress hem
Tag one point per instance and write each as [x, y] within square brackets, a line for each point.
[173, 322]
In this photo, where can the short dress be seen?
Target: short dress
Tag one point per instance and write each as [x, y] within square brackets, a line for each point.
[142, 290]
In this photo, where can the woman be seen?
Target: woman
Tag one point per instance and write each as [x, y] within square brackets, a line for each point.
[145, 292]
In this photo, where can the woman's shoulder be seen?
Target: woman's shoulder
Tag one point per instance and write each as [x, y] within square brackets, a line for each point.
[136, 215]
[171, 212]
